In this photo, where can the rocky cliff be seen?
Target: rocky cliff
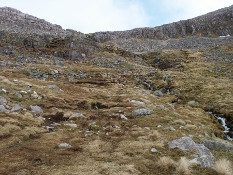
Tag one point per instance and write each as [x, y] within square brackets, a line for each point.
[217, 23]
[24, 34]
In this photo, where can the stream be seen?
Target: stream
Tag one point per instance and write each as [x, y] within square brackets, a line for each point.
[222, 121]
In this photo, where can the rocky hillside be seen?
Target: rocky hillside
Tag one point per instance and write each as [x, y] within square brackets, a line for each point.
[217, 23]
[19, 30]
[80, 104]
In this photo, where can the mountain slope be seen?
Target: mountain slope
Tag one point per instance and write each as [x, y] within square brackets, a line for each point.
[74, 104]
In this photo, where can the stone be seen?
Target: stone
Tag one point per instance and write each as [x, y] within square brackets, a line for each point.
[18, 95]
[123, 117]
[162, 107]
[3, 109]
[193, 103]
[3, 101]
[15, 108]
[218, 145]
[158, 93]
[29, 85]
[206, 159]
[71, 125]
[36, 109]
[3, 91]
[59, 63]
[137, 102]
[64, 145]
[76, 116]
[172, 128]
[35, 95]
[154, 150]
[142, 111]
[55, 88]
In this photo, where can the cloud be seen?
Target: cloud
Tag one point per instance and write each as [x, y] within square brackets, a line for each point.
[86, 15]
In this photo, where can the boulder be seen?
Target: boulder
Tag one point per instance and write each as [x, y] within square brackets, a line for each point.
[142, 111]
[206, 159]
[36, 109]
[218, 145]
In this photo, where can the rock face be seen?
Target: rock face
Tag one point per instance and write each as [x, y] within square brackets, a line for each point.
[206, 159]
[218, 23]
[215, 145]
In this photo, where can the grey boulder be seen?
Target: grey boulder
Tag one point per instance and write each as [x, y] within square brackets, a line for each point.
[206, 159]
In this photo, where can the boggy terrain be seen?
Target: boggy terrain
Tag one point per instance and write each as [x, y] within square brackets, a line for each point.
[72, 105]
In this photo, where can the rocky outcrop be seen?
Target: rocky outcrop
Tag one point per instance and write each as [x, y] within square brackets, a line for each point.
[217, 23]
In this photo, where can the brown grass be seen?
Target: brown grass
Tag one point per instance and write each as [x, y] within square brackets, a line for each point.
[224, 166]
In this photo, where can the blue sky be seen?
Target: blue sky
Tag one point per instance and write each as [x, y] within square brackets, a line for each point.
[109, 15]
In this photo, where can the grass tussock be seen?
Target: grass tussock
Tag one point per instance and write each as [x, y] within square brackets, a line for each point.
[224, 166]
[166, 163]
[183, 166]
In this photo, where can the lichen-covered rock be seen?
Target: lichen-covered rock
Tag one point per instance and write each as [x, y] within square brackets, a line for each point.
[206, 159]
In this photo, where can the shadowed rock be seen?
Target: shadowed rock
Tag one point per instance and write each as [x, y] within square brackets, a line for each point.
[216, 145]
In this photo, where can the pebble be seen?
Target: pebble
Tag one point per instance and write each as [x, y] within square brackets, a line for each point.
[71, 125]
[123, 117]
[64, 145]
[154, 150]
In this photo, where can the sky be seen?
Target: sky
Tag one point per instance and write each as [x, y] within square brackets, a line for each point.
[90, 16]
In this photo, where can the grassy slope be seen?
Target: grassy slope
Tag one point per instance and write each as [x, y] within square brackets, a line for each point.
[27, 148]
